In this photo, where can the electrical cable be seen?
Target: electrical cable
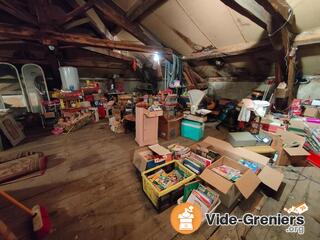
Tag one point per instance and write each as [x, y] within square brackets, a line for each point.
[282, 26]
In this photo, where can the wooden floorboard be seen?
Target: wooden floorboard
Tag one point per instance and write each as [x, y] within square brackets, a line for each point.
[91, 191]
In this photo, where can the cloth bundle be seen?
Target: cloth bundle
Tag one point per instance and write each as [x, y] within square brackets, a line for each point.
[257, 106]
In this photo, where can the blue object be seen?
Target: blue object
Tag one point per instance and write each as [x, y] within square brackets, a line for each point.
[152, 164]
[192, 130]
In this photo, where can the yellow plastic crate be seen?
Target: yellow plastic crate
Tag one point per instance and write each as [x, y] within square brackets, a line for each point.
[169, 196]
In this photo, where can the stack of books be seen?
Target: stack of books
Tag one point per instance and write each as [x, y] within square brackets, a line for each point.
[179, 151]
[204, 197]
[227, 172]
[255, 167]
[313, 139]
[162, 180]
[196, 163]
[207, 153]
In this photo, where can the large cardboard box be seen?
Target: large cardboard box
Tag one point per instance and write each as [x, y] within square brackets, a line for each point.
[247, 184]
[169, 129]
[141, 157]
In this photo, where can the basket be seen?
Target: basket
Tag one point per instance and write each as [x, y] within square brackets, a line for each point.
[165, 198]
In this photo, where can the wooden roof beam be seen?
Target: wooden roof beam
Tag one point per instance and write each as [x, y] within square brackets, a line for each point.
[142, 9]
[51, 37]
[19, 14]
[95, 20]
[76, 23]
[109, 52]
[117, 18]
[77, 11]
[252, 10]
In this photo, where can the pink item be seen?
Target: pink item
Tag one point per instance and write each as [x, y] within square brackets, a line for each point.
[313, 120]
[147, 126]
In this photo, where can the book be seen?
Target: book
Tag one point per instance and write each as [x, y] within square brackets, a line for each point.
[227, 172]
[188, 189]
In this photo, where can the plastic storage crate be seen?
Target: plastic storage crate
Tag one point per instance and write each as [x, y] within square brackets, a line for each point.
[192, 130]
[165, 198]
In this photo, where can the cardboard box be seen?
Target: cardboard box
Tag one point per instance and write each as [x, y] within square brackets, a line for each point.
[246, 185]
[241, 139]
[287, 155]
[231, 190]
[152, 114]
[312, 112]
[142, 163]
[169, 129]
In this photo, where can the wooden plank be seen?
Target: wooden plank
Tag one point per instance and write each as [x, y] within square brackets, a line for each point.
[47, 37]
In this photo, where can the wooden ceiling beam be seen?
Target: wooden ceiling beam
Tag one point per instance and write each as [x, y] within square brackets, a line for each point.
[142, 9]
[77, 11]
[108, 52]
[117, 18]
[95, 20]
[252, 10]
[51, 37]
[76, 23]
[19, 14]
[307, 38]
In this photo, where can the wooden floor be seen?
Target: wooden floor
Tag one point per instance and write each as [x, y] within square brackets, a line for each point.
[92, 192]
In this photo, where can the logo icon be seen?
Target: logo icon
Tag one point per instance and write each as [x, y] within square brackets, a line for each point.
[186, 218]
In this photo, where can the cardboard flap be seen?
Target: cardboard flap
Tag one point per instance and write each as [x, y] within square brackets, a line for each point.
[215, 180]
[271, 177]
[297, 151]
[247, 183]
[158, 149]
[218, 144]
[252, 156]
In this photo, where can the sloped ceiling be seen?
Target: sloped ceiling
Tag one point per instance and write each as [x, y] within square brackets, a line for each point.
[186, 25]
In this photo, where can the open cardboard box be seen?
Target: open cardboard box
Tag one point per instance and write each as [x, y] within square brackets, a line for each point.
[249, 181]
[282, 140]
[142, 163]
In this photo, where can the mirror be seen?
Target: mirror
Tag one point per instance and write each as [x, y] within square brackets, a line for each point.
[36, 86]
[12, 95]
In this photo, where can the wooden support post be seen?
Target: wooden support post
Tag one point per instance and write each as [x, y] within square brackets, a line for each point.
[291, 73]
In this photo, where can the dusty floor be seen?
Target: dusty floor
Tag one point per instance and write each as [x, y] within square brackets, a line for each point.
[92, 192]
